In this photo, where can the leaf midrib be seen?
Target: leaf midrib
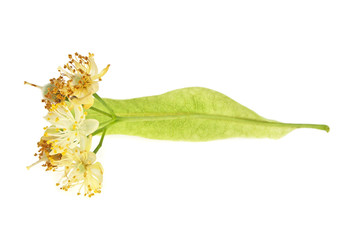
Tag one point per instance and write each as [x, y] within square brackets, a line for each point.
[145, 117]
[171, 116]
[157, 116]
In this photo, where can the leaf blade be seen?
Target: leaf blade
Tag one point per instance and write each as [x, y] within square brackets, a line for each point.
[191, 114]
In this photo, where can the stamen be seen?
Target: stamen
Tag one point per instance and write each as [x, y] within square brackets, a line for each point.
[35, 163]
[34, 85]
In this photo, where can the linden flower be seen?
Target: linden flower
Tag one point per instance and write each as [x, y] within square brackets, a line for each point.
[81, 169]
[83, 77]
[67, 131]
[44, 156]
[54, 92]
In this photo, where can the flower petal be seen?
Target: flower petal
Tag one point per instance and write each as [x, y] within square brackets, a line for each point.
[91, 157]
[93, 67]
[89, 126]
[78, 112]
[101, 74]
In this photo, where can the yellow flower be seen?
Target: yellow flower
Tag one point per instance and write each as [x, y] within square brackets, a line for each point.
[82, 78]
[67, 131]
[81, 169]
[44, 156]
[54, 92]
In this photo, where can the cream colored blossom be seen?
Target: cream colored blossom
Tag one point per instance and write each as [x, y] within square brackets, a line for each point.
[54, 92]
[67, 130]
[81, 169]
[44, 156]
[82, 78]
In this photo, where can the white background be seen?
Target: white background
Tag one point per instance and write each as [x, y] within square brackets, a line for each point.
[283, 59]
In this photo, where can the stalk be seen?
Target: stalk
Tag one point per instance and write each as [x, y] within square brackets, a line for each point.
[101, 111]
[104, 104]
[100, 141]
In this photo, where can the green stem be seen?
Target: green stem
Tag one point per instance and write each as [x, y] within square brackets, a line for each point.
[103, 128]
[99, 130]
[105, 122]
[100, 142]
[100, 111]
[104, 104]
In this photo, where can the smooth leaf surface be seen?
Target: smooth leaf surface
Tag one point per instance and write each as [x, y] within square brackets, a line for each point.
[190, 114]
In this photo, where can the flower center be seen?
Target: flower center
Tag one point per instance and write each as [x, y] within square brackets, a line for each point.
[81, 81]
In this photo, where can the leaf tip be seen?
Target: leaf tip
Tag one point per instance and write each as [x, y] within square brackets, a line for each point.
[327, 129]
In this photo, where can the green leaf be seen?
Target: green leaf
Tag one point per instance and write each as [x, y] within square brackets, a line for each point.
[189, 114]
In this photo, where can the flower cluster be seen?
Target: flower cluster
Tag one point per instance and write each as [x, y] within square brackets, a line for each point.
[65, 145]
